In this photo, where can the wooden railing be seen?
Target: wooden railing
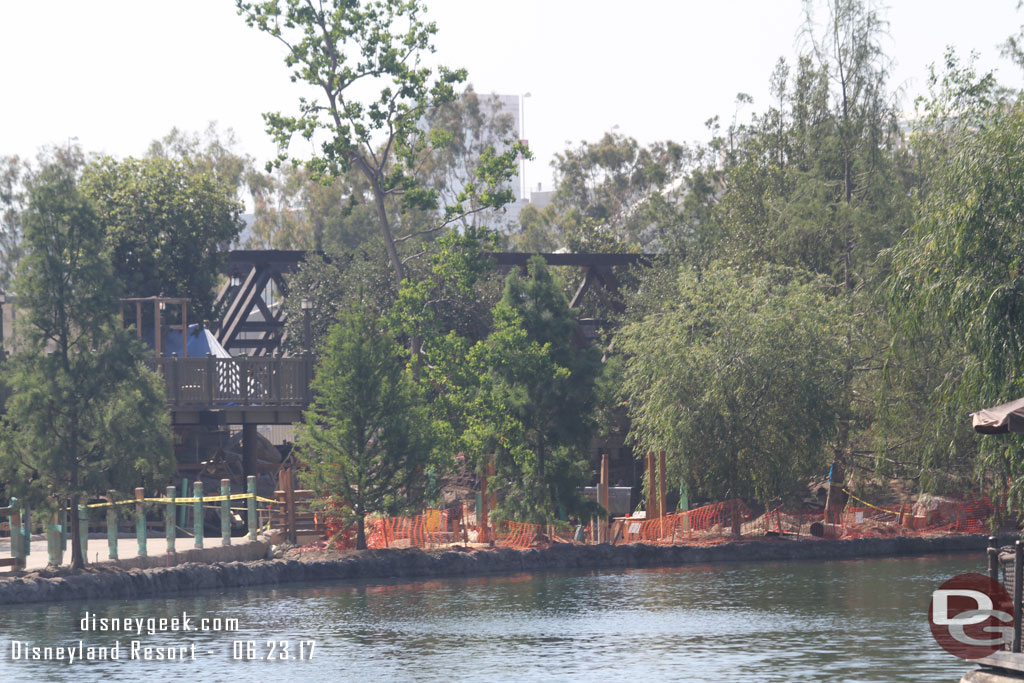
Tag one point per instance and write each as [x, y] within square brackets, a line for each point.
[237, 381]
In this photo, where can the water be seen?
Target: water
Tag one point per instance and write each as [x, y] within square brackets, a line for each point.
[859, 620]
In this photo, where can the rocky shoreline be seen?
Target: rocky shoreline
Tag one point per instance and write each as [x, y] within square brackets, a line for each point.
[101, 583]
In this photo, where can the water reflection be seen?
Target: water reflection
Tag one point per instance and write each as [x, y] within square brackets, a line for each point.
[856, 620]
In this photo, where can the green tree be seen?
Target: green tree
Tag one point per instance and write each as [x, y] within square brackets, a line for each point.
[738, 375]
[85, 415]
[166, 223]
[533, 401]
[367, 437]
[957, 273]
[345, 49]
[11, 205]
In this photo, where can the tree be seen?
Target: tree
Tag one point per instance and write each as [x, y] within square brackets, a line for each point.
[533, 400]
[367, 436]
[956, 273]
[166, 222]
[738, 376]
[344, 49]
[11, 205]
[85, 415]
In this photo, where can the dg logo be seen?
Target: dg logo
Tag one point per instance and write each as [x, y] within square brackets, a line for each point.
[971, 616]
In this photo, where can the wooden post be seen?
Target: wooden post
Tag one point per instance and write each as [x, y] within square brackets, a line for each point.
[197, 513]
[211, 381]
[111, 527]
[170, 520]
[662, 503]
[1018, 583]
[652, 483]
[158, 336]
[17, 538]
[83, 532]
[249, 433]
[140, 520]
[26, 520]
[483, 522]
[225, 512]
[602, 493]
[250, 488]
[993, 558]
[833, 507]
[53, 541]
[288, 476]
[184, 329]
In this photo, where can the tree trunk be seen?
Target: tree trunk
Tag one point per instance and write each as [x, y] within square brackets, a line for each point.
[77, 558]
[361, 532]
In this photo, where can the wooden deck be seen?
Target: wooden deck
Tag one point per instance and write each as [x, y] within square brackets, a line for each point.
[238, 390]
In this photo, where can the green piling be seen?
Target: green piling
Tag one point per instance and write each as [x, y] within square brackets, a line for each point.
[183, 512]
[53, 541]
[225, 512]
[83, 531]
[170, 520]
[197, 513]
[250, 488]
[140, 520]
[17, 538]
[111, 527]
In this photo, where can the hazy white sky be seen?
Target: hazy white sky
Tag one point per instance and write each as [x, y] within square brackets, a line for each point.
[118, 73]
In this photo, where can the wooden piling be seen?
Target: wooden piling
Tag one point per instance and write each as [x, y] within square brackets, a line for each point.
[250, 488]
[602, 493]
[140, 520]
[197, 513]
[170, 520]
[111, 527]
[662, 479]
[225, 512]
[993, 558]
[1018, 584]
[652, 483]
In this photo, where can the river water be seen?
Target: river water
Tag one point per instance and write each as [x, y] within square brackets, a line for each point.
[862, 620]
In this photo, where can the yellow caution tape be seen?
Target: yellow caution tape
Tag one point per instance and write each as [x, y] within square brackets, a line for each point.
[870, 505]
[185, 501]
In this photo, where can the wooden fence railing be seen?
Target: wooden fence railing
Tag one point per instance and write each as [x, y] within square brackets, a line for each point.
[240, 381]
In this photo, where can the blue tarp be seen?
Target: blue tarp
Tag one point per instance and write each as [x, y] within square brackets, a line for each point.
[200, 343]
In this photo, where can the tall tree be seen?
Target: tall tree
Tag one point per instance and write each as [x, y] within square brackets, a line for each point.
[533, 403]
[85, 415]
[737, 375]
[956, 274]
[167, 222]
[346, 49]
[12, 169]
[367, 436]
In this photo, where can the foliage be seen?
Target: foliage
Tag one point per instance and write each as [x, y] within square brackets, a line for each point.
[166, 222]
[85, 416]
[957, 272]
[532, 400]
[345, 50]
[367, 436]
[11, 205]
[738, 376]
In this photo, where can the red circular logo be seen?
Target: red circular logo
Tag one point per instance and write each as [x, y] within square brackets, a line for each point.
[971, 616]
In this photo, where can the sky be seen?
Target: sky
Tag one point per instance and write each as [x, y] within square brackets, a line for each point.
[117, 74]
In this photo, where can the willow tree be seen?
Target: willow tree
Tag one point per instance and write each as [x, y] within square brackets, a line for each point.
[739, 377]
[957, 275]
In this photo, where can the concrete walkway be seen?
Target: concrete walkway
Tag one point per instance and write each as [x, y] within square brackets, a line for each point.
[96, 549]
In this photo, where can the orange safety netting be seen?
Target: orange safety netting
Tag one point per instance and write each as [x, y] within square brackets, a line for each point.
[698, 524]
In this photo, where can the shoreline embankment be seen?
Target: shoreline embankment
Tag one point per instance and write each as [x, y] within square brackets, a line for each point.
[107, 582]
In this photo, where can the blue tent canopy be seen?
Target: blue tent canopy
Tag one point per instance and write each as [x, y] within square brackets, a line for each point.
[200, 342]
